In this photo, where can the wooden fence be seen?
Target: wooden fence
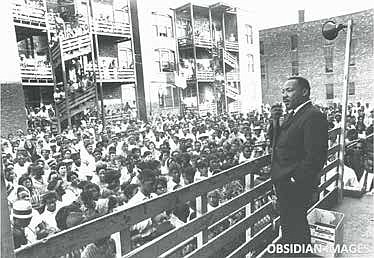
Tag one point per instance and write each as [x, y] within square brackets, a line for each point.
[170, 243]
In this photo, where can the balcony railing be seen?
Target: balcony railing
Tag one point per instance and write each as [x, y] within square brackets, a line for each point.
[35, 74]
[113, 74]
[78, 100]
[207, 107]
[230, 59]
[56, 54]
[230, 45]
[232, 76]
[28, 15]
[203, 42]
[121, 221]
[232, 92]
[202, 76]
[76, 46]
[111, 28]
[200, 41]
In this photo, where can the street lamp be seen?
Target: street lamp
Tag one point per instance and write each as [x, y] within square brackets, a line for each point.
[330, 31]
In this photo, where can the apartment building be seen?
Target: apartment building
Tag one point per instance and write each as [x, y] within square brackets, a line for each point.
[73, 52]
[218, 55]
[300, 49]
[79, 54]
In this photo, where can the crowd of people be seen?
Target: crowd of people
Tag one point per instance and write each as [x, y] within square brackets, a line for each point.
[57, 181]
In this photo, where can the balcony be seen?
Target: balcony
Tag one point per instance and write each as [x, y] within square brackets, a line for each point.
[111, 28]
[77, 101]
[200, 41]
[232, 93]
[76, 46]
[230, 45]
[71, 48]
[202, 76]
[113, 74]
[230, 59]
[28, 15]
[35, 75]
[210, 107]
[232, 76]
[56, 54]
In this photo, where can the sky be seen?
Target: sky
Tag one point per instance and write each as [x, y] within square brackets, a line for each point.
[272, 13]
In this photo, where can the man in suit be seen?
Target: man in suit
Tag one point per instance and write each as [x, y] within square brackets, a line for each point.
[300, 146]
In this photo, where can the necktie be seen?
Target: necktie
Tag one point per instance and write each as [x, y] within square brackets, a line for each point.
[288, 117]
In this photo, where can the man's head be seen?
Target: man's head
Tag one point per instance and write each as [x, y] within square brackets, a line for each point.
[49, 200]
[147, 181]
[295, 91]
[22, 213]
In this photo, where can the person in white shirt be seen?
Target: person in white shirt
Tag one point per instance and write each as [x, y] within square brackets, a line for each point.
[147, 183]
[52, 206]
[213, 200]
[246, 154]
[20, 168]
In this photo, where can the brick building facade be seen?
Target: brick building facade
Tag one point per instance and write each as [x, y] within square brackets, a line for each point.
[300, 49]
[12, 108]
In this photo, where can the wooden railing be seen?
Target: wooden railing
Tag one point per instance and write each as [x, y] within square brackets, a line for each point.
[113, 74]
[232, 46]
[34, 74]
[198, 228]
[202, 76]
[230, 59]
[111, 28]
[199, 42]
[208, 107]
[185, 42]
[28, 15]
[76, 46]
[78, 100]
[203, 42]
[232, 76]
[232, 92]
[56, 54]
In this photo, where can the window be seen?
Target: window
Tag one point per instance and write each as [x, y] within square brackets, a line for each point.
[351, 88]
[352, 60]
[162, 25]
[262, 51]
[189, 92]
[251, 67]
[328, 53]
[125, 58]
[294, 42]
[165, 97]
[164, 60]
[295, 68]
[263, 71]
[249, 34]
[329, 91]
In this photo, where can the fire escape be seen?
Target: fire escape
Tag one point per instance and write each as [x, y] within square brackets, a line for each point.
[69, 58]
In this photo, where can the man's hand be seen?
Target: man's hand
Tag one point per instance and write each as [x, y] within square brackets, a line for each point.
[276, 111]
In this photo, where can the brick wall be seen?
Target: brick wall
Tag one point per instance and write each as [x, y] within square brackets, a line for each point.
[310, 55]
[13, 114]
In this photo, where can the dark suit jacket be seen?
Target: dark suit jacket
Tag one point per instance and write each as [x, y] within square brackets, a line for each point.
[300, 147]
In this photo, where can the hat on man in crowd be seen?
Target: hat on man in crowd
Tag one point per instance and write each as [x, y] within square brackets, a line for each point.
[52, 162]
[22, 209]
